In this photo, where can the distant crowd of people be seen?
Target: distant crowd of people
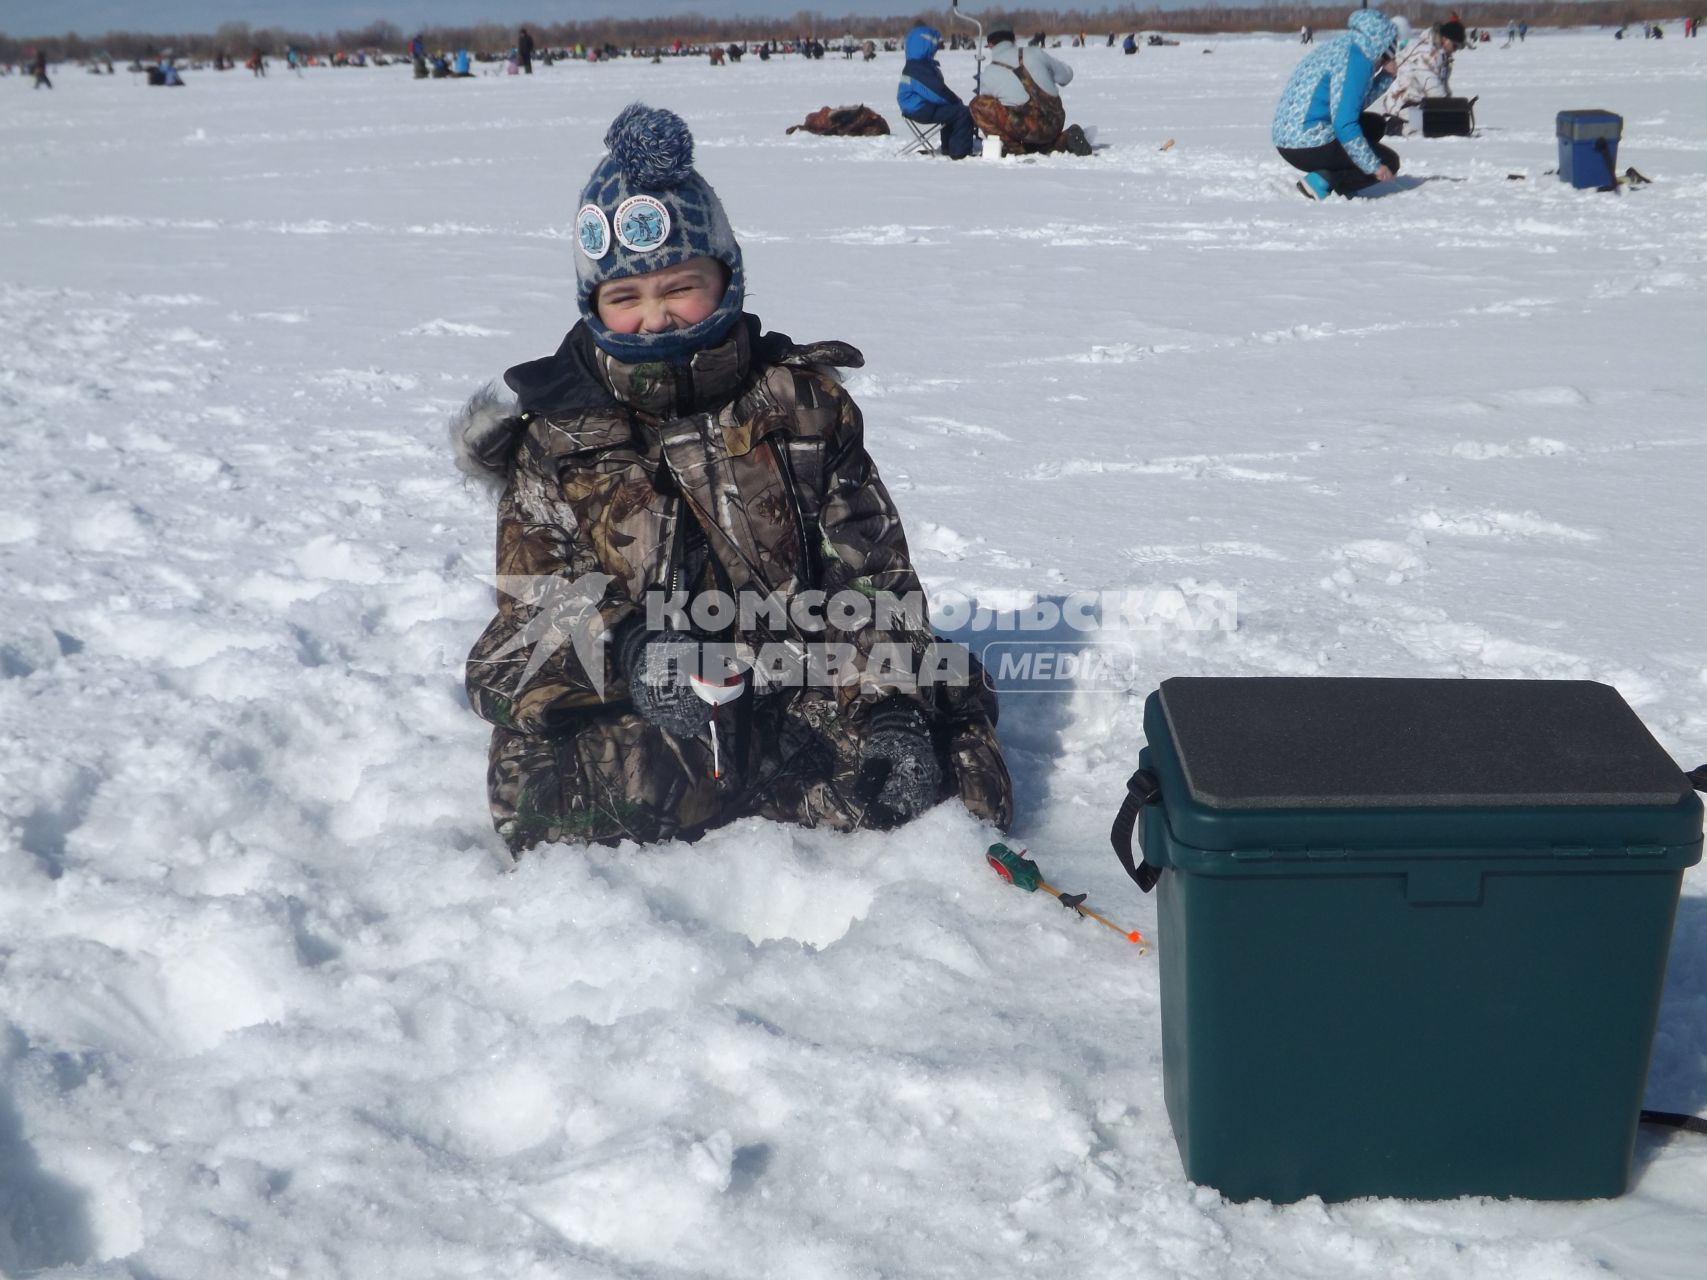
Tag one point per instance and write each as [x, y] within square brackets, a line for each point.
[457, 62]
[1653, 30]
[1022, 104]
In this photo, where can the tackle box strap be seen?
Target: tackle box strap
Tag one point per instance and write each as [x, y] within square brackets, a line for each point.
[1142, 788]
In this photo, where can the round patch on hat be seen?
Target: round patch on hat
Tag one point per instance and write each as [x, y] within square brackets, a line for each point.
[592, 231]
[642, 223]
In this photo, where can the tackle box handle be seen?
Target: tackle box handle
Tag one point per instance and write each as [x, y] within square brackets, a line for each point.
[1142, 788]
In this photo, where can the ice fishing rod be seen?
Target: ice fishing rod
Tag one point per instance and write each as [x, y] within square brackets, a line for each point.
[1021, 872]
[717, 694]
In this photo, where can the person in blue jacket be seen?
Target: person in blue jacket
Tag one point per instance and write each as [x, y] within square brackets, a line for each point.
[924, 95]
[1322, 125]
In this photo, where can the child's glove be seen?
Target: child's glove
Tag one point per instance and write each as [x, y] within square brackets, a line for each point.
[899, 774]
[657, 665]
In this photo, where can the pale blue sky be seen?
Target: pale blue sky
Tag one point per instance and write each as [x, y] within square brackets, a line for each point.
[54, 17]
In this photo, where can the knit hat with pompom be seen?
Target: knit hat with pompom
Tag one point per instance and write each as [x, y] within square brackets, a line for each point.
[646, 208]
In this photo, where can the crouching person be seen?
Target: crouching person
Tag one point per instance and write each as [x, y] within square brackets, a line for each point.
[678, 488]
[1324, 124]
[1020, 102]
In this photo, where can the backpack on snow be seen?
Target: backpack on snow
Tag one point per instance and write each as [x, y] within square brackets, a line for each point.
[844, 122]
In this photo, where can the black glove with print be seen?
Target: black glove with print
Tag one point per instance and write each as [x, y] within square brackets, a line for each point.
[899, 773]
[657, 666]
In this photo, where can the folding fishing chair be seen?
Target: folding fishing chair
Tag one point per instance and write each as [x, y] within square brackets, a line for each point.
[926, 138]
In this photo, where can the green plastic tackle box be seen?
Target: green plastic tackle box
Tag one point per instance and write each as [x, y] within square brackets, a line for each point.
[1412, 933]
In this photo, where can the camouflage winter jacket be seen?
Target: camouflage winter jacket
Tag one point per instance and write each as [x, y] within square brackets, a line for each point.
[1424, 72]
[753, 453]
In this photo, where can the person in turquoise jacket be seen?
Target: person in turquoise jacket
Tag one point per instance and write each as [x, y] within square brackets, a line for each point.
[1322, 125]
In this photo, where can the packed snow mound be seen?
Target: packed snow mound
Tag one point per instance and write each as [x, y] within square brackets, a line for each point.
[270, 1002]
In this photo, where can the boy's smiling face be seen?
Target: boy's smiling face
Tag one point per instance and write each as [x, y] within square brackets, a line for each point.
[673, 298]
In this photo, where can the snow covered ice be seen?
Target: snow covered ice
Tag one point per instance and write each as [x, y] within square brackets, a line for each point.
[268, 1006]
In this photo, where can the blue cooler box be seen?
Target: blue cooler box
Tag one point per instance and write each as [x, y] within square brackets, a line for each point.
[1588, 148]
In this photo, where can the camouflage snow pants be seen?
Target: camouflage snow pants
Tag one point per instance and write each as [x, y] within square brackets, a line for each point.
[1034, 127]
[614, 776]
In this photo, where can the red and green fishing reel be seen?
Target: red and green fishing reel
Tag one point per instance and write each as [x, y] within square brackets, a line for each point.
[1021, 872]
[1015, 868]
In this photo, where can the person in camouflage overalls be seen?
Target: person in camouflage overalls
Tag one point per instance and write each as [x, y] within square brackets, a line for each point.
[671, 446]
[1020, 101]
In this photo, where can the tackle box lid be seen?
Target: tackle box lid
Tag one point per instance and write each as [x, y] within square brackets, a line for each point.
[1246, 761]
[1588, 122]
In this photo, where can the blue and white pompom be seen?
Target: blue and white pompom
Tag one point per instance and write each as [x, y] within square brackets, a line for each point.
[653, 147]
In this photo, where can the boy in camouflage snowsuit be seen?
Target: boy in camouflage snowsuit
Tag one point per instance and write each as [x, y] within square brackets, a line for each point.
[670, 457]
